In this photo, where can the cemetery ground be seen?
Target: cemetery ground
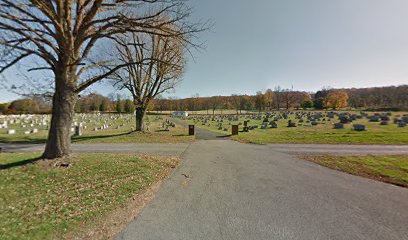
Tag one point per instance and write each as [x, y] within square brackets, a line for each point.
[105, 128]
[310, 127]
[222, 188]
[76, 195]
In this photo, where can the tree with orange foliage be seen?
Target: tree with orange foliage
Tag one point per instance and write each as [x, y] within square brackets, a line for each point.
[337, 99]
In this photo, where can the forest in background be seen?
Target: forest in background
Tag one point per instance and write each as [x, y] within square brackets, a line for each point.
[391, 98]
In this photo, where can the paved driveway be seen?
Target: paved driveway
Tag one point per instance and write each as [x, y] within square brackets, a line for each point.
[203, 134]
[228, 190]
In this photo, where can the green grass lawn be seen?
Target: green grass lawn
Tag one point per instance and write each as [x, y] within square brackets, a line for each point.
[320, 134]
[156, 135]
[41, 201]
[390, 169]
[325, 134]
[111, 135]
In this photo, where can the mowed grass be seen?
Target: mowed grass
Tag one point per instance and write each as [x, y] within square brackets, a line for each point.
[320, 134]
[155, 135]
[390, 169]
[42, 201]
[123, 134]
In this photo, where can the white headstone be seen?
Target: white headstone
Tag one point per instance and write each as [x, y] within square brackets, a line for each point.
[11, 131]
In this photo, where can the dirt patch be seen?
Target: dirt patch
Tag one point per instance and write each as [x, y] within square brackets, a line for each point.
[65, 162]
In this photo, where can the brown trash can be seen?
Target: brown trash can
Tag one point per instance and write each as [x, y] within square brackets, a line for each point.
[234, 129]
[190, 130]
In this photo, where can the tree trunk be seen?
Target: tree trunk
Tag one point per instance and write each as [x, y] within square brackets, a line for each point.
[140, 113]
[59, 137]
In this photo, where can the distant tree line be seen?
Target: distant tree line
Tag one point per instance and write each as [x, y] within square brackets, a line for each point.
[394, 97]
[97, 103]
[35, 105]
[92, 102]
[378, 98]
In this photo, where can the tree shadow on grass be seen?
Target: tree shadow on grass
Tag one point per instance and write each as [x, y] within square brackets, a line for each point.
[33, 141]
[180, 135]
[162, 130]
[224, 136]
[85, 138]
[19, 163]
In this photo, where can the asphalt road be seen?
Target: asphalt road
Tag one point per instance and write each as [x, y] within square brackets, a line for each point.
[203, 134]
[177, 149]
[227, 190]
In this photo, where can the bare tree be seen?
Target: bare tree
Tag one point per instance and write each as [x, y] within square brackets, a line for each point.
[192, 102]
[155, 65]
[62, 35]
[288, 97]
[236, 102]
[269, 98]
[215, 103]
[277, 93]
[260, 101]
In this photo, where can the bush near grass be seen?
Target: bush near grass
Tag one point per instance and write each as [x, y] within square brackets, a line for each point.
[44, 200]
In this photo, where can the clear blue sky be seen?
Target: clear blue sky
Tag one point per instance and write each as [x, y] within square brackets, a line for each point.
[306, 44]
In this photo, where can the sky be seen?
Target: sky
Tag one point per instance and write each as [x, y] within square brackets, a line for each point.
[305, 45]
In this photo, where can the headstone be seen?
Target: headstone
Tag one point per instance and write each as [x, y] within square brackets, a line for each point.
[78, 131]
[11, 131]
[338, 126]
[359, 127]
[374, 118]
[291, 124]
[273, 124]
[402, 124]
[191, 131]
[235, 129]
[4, 125]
